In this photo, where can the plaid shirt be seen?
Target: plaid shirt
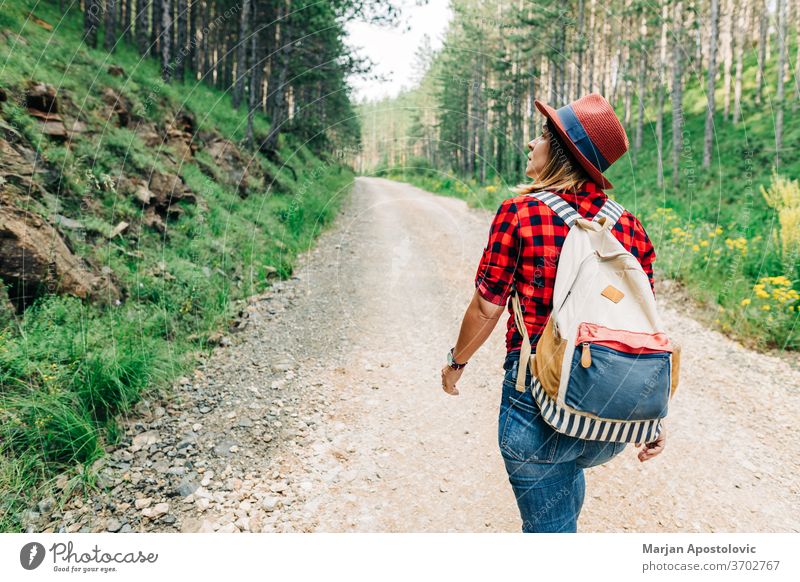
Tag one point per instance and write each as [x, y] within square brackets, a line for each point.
[525, 241]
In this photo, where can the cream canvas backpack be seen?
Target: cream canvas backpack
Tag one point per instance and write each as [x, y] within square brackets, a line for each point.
[604, 369]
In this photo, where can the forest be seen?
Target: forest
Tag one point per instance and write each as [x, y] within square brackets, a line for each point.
[160, 163]
[707, 91]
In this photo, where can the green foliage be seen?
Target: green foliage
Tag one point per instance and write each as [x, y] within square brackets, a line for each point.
[470, 97]
[68, 368]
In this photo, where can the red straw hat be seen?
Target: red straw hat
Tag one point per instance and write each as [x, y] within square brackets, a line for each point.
[592, 132]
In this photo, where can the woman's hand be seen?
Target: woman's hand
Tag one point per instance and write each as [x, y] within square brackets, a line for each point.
[650, 450]
[449, 379]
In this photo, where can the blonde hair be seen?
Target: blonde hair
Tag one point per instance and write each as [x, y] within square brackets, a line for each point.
[561, 172]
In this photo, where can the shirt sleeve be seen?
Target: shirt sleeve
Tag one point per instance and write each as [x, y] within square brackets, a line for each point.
[495, 277]
[647, 253]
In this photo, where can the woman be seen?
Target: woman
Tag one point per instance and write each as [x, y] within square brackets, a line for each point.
[545, 468]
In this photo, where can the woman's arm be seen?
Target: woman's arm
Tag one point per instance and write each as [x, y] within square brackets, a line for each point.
[479, 321]
[476, 327]
[494, 281]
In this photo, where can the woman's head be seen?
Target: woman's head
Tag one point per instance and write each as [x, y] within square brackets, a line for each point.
[551, 165]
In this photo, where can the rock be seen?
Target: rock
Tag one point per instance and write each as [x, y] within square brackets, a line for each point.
[228, 528]
[42, 103]
[233, 167]
[156, 511]
[152, 220]
[186, 488]
[113, 525]
[270, 503]
[46, 505]
[69, 223]
[117, 105]
[279, 486]
[54, 129]
[119, 229]
[218, 339]
[41, 97]
[145, 439]
[18, 162]
[143, 503]
[224, 447]
[35, 259]
[197, 525]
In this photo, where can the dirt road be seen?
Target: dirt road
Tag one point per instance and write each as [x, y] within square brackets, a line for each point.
[326, 412]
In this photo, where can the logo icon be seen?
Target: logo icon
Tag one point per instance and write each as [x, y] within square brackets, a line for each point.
[31, 555]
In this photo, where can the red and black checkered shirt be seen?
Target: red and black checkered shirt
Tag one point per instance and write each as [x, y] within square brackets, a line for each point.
[525, 242]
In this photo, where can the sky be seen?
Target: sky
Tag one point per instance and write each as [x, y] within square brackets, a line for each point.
[392, 50]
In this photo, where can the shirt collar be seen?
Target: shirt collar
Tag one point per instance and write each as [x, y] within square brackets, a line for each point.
[586, 197]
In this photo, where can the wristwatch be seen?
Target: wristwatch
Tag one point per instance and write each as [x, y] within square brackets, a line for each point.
[451, 361]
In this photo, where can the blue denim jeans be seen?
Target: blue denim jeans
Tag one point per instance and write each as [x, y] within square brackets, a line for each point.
[545, 467]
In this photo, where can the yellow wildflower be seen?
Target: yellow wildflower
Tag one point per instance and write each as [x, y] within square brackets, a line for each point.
[745, 302]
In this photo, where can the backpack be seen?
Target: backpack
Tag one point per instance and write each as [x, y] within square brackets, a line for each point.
[604, 369]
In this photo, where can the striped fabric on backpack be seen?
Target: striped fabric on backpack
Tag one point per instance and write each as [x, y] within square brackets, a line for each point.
[604, 369]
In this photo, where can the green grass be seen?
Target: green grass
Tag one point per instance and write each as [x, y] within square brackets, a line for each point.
[69, 369]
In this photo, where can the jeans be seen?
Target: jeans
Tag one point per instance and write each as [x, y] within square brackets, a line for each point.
[545, 468]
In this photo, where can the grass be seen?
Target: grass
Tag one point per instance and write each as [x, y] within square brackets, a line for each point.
[69, 369]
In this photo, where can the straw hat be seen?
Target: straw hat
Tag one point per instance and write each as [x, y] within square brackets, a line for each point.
[590, 129]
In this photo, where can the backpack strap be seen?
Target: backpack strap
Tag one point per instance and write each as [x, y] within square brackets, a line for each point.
[558, 205]
[612, 210]
[525, 349]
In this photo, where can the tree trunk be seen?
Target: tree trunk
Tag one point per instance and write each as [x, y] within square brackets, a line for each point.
[797, 63]
[643, 64]
[762, 49]
[253, 73]
[110, 38]
[711, 84]
[741, 32]
[779, 105]
[591, 47]
[91, 22]
[193, 39]
[128, 21]
[142, 21]
[581, 40]
[661, 82]
[241, 57]
[166, 35]
[277, 89]
[677, 94]
[731, 15]
[182, 35]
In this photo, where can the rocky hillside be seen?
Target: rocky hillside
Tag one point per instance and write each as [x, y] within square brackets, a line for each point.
[134, 225]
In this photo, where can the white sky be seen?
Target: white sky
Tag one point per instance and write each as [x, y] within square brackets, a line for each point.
[392, 50]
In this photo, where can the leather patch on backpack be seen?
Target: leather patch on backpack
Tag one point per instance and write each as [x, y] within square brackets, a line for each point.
[612, 293]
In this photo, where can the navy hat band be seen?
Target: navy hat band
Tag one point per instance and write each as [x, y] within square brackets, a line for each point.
[580, 138]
